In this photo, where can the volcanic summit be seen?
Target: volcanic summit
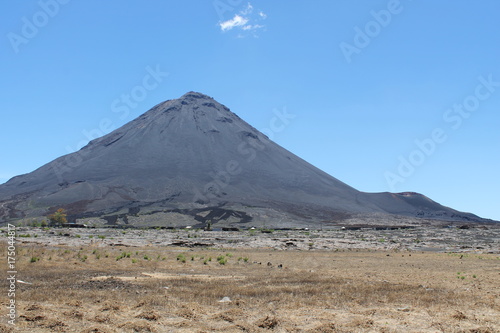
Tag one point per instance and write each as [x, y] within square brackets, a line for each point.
[191, 161]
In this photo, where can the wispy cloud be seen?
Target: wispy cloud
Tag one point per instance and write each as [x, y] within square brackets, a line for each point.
[252, 27]
[247, 10]
[245, 20]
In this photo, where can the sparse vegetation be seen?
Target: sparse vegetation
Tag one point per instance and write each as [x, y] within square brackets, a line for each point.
[362, 290]
[123, 255]
[301, 289]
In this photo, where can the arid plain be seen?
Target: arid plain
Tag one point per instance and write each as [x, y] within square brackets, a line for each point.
[366, 280]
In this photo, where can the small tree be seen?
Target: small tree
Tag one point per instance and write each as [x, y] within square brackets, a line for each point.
[208, 226]
[59, 217]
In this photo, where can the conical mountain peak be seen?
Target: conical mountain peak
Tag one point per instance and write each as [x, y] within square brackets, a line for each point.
[191, 159]
[195, 95]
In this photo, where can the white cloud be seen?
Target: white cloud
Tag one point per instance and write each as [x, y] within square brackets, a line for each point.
[236, 21]
[245, 21]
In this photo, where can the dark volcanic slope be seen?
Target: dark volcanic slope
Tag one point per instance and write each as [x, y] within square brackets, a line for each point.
[193, 152]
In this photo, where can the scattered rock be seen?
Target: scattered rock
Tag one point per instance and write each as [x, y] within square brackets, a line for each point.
[148, 315]
[459, 315]
[268, 322]
[32, 318]
[33, 307]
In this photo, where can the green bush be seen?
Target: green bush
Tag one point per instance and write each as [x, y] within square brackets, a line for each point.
[222, 260]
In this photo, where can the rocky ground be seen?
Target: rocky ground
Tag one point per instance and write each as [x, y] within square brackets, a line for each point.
[479, 239]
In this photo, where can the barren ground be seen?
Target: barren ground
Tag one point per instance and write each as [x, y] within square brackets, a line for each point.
[104, 280]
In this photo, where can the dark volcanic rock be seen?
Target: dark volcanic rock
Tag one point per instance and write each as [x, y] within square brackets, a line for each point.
[192, 156]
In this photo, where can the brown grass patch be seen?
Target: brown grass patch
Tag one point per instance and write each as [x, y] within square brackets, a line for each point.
[314, 291]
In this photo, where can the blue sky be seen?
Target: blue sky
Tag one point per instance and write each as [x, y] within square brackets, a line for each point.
[383, 95]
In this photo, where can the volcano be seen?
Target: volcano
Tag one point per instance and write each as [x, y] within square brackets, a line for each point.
[191, 161]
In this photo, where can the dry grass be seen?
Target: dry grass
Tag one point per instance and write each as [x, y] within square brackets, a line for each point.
[92, 289]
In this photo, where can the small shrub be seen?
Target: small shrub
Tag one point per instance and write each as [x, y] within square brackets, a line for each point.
[34, 259]
[122, 255]
[222, 259]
